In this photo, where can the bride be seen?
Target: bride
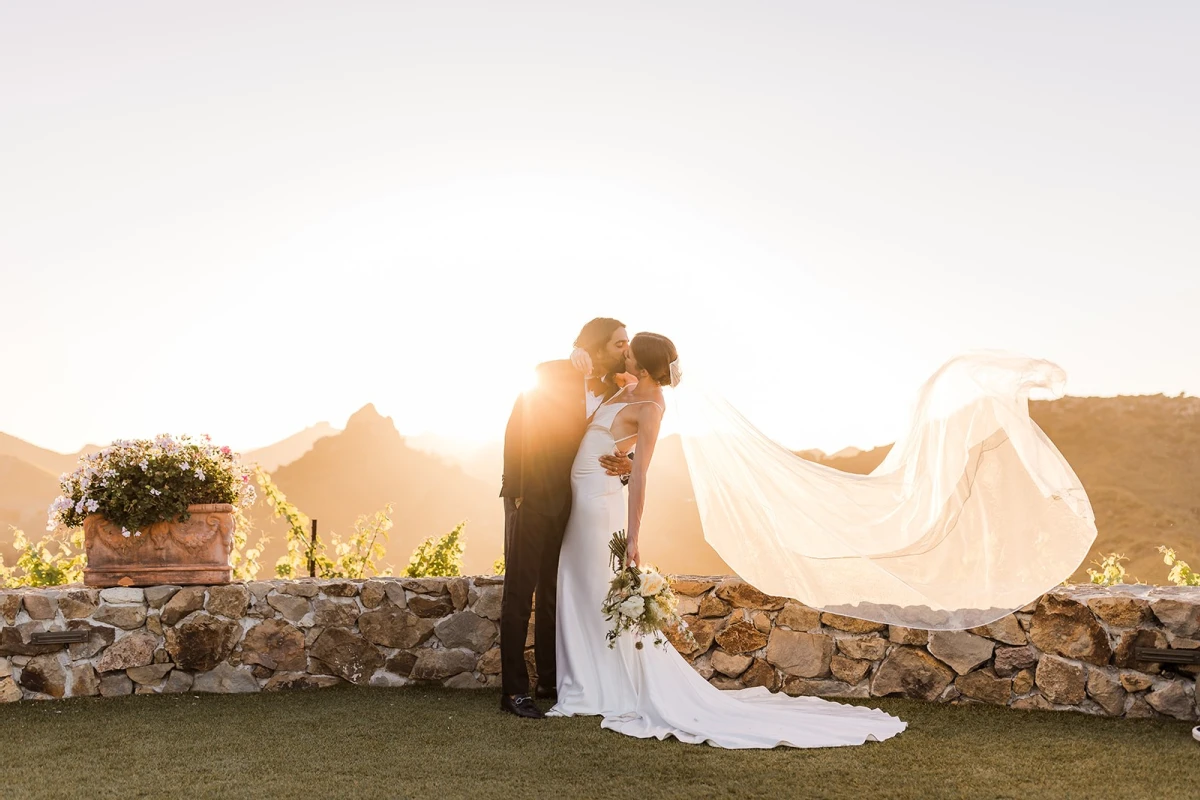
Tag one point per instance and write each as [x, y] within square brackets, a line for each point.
[652, 691]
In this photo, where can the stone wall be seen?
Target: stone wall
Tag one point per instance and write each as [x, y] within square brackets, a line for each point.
[1070, 650]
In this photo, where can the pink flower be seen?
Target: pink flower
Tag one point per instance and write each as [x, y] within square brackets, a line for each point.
[226, 450]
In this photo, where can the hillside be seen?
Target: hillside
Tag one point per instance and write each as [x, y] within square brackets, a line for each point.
[368, 464]
[45, 460]
[1139, 459]
[479, 461]
[851, 459]
[25, 494]
[28, 484]
[274, 456]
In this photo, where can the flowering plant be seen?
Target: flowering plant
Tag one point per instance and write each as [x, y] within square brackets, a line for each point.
[640, 600]
[1111, 571]
[136, 483]
[1181, 574]
[53, 561]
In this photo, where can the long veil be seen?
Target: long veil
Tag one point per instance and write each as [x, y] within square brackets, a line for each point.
[973, 514]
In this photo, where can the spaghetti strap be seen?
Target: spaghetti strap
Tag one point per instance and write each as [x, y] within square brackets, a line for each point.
[616, 394]
[613, 421]
[639, 402]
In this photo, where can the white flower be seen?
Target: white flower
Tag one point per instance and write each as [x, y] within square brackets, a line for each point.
[145, 465]
[125, 533]
[155, 492]
[199, 473]
[652, 583]
[92, 505]
[185, 466]
[633, 608]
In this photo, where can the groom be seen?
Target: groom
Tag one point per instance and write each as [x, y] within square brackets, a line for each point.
[547, 424]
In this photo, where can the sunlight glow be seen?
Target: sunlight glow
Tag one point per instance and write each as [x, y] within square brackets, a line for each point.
[444, 329]
[246, 223]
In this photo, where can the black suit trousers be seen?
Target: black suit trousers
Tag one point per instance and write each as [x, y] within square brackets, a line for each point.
[532, 542]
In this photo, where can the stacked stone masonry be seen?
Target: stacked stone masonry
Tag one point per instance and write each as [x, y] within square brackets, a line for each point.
[1073, 649]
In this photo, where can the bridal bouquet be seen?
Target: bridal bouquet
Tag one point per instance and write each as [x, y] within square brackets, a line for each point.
[640, 600]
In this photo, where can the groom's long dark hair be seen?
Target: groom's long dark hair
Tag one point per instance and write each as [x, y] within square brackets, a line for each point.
[595, 334]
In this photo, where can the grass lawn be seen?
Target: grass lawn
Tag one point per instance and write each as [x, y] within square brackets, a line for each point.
[418, 743]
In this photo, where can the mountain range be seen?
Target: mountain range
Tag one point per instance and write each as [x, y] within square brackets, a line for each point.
[1138, 458]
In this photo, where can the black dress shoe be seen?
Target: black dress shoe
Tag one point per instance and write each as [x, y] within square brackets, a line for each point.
[546, 693]
[522, 706]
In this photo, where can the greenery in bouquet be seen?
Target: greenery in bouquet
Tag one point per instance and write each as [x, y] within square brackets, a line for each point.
[136, 483]
[640, 601]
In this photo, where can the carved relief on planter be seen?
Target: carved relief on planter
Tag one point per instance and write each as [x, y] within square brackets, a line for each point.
[195, 551]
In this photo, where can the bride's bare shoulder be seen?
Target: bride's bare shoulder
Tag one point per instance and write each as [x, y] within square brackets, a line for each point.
[653, 408]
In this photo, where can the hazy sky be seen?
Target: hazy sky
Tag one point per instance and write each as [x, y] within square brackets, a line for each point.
[244, 218]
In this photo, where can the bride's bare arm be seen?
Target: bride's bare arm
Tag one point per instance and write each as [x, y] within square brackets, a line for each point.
[649, 423]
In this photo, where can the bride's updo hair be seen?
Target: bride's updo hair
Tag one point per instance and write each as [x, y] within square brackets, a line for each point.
[654, 353]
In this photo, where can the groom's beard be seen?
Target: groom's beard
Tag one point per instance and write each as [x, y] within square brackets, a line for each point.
[612, 368]
[610, 377]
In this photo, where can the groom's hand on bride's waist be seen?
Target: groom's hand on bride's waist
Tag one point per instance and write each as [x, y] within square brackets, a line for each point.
[617, 465]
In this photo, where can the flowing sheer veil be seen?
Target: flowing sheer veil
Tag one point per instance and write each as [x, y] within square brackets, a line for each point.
[973, 514]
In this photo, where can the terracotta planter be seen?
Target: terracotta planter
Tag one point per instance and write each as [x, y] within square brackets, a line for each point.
[192, 552]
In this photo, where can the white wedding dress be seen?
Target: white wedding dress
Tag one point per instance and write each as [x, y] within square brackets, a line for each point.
[654, 692]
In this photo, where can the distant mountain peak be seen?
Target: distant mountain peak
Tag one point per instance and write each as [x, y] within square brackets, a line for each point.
[368, 419]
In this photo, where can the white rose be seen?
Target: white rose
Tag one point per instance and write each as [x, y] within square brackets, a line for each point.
[652, 584]
[633, 608]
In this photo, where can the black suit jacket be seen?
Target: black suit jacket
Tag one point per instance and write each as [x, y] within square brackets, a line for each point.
[543, 435]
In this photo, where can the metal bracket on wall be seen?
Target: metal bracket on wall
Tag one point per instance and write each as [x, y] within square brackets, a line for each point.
[1161, 656]
[59, 637]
